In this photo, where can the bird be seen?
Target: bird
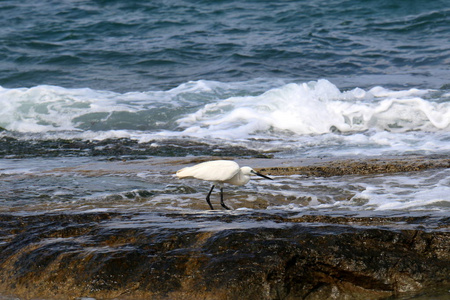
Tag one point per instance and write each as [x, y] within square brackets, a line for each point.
[219, 172]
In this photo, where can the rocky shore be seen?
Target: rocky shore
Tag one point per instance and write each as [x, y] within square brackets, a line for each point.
[222, 256]
[242, 254]
[362, 166]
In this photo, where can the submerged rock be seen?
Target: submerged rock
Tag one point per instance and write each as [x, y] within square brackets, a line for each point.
[240, 255]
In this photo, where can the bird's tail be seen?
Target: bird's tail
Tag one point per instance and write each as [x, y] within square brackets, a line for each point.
[182, 173]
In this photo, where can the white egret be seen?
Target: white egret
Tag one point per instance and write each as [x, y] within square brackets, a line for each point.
[219, 172]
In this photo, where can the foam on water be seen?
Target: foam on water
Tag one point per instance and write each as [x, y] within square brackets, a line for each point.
[421, 191]
[319, 108]
[314, 114]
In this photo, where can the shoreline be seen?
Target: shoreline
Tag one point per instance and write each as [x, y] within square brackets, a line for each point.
[363, 166]
[125, 253]
[251, 255]
[321, 167]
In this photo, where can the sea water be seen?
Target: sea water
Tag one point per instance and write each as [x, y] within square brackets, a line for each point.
[86, 82]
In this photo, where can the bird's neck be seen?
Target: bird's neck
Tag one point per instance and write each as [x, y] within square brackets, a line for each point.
[239, 179]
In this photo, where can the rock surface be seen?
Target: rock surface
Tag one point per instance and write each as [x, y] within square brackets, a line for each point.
[222, 255]
[363, 166]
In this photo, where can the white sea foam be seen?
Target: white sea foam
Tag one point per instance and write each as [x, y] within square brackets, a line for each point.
[318, 108]
[314, 115]
[45, 108]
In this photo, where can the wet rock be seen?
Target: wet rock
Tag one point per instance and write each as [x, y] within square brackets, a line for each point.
[362, 166]
[116, 149]
[222, 256]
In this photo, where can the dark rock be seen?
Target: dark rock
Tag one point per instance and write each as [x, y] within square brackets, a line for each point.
[222, 256]
[362, 166]
[117, 149]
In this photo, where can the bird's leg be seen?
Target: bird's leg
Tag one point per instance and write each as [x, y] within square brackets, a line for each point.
[207, 197]
[221, 199]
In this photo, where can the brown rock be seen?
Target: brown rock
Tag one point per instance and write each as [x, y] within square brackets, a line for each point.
[222, 256]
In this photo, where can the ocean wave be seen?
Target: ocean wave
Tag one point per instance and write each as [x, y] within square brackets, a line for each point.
[225, 110]
[56, 109]
[319, 107]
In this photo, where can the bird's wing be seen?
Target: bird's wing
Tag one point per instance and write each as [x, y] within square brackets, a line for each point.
[216, 170]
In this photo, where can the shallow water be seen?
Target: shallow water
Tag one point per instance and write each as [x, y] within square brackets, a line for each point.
[84, 184]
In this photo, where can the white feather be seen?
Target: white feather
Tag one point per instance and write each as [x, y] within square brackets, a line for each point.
[216, 170]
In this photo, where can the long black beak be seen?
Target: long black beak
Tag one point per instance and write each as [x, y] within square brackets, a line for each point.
[262, 175]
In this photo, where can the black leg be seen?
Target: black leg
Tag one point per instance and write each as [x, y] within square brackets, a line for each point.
[221, 199]
[207, 197]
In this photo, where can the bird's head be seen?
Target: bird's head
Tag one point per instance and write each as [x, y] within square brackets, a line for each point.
[250, 171]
